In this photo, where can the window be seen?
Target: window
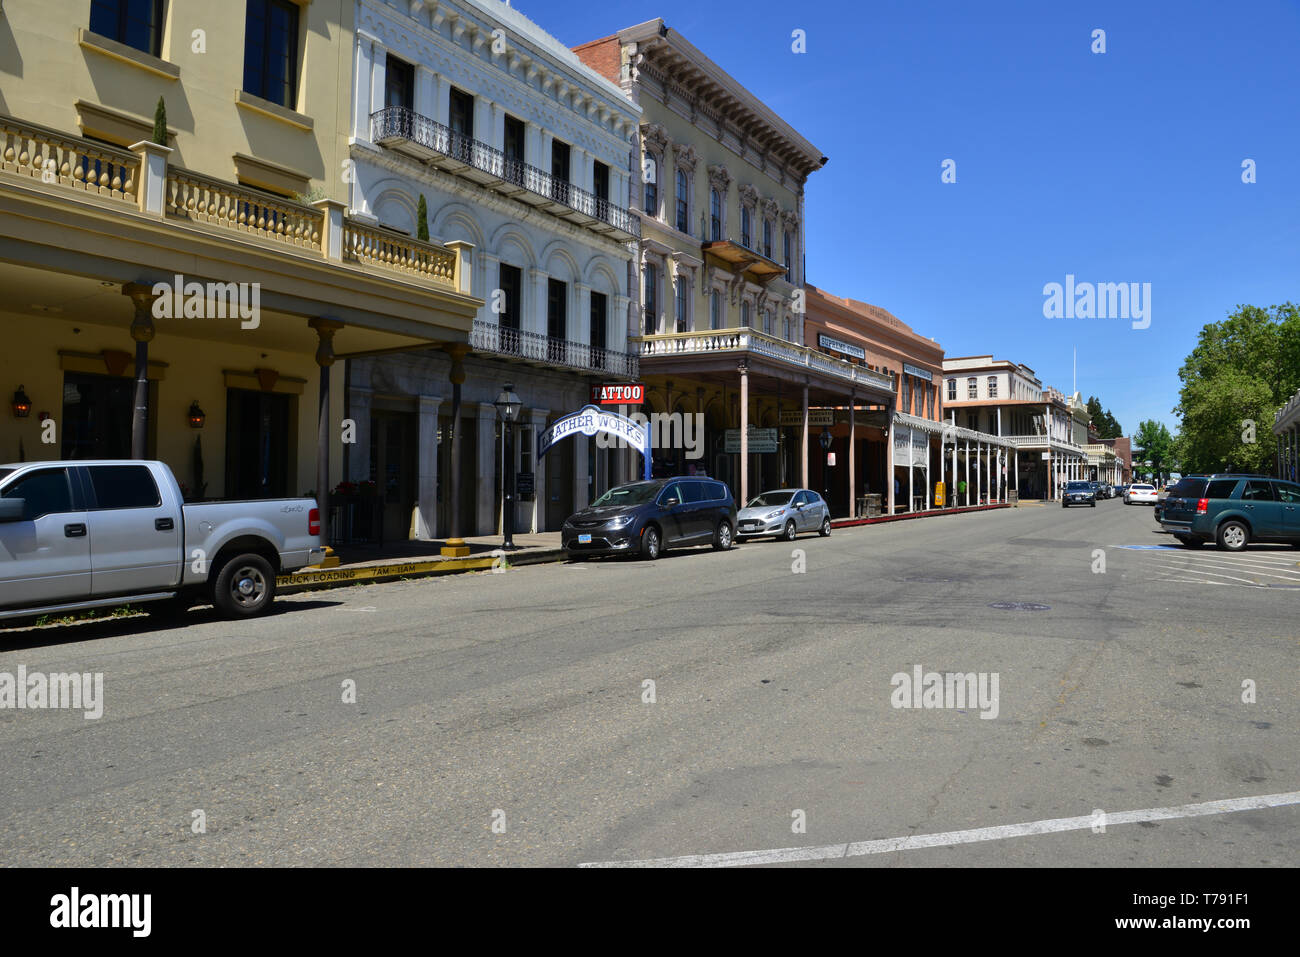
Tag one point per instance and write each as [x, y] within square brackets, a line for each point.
[715, 310]
[124, 486]
[97, 412]
[972, 388]
[651, 299]
[683, 304]
[767, 321]
[560, 170]
[557, 309]
[460, 112]
[399, 84]
[271, 51]
[993, 387]
[515, 137]
[800, 498]
[258, 443]
[715, 215]
[952, 390]
[511, 280]
[905, 393]
[651, 185]
[683, 203]
[786, 324]
[745, 314]
[1257, 492]
[746, 239]
[600, 181]
[137, 23]
[44, 493]
[1220, 488]
[785, 249]
[767, 238]
[1288, 493]
[599, 320]
[692, 492]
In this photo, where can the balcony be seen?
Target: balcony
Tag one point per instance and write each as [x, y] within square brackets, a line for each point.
[145, 181]
[407, 132]
[789, 356]
[743, 259]
[536, 349]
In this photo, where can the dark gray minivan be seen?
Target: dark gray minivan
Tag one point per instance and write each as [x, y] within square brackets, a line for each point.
[646, 518]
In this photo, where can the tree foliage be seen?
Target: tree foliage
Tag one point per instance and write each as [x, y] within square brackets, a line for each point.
[422, 220]
[1241, 372]
[1152, 442]
[160, 123]
[1108, 426]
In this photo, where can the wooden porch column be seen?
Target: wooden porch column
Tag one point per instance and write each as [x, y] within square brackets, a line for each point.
[744, 433]
[803, 442]
[853, 464]
[142, 331]
[325, 329]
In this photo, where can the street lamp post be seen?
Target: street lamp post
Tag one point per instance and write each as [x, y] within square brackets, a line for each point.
[508, 406]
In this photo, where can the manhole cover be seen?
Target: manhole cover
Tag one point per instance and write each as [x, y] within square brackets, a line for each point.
[1019, 606]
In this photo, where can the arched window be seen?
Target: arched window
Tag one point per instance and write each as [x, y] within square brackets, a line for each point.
[683, 203]
[767, 240]
[715, 215]
[746, 239]
[745, 314]
[715, 310]
[651, 299]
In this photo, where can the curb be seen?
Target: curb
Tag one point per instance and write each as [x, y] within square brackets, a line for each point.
[855, 522]
[344, 575]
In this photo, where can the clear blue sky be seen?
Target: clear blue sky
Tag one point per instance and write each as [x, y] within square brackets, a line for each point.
[1115, 167]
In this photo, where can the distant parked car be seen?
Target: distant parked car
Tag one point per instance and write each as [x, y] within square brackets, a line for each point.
[1079, 493]
[1107, 490]
[647, 518]
[1232, 511]
[1140, 494]
[784, 513]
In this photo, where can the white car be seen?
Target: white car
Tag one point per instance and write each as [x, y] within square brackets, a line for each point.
[1140, 495]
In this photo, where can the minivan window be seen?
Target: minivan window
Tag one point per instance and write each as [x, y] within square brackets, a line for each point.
[44, 493]
[636, 494]
[693, 492]
[124, 486]
[1220, 488]
[719, 492]
[1188, 488]
[670, 492]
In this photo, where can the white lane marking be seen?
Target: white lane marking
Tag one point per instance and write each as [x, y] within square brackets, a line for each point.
[1184, 570]
[949, 838]
[1206, 566]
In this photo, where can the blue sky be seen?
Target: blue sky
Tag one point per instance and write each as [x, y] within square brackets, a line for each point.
[1123, 166]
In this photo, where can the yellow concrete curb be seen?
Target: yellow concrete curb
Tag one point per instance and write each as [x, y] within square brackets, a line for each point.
[344, 576]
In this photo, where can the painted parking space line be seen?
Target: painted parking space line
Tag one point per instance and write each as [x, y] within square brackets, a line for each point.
[786, 855]
[1184, 570]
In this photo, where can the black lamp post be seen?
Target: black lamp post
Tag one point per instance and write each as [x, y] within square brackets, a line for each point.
[508, 405]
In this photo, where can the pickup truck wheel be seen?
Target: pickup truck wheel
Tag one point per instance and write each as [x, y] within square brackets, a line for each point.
[245, 587]
[1232, 536]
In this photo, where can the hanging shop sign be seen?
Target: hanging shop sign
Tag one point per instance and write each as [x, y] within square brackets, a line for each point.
[817, 418]
[760, 441]
[622, 394]
[588, 421]
[920, 373]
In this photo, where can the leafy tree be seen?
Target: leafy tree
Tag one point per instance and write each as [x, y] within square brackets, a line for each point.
[1107, 426]
[422, 220]
[160, 123]
[1155, 444]
[1240, 373]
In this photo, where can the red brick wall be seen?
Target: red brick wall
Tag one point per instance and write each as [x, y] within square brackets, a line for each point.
[602, 56]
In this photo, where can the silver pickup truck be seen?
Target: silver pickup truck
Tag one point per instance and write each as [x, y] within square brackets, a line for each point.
[88, 534]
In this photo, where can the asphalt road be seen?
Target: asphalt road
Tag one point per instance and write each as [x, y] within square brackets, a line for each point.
[522, 693]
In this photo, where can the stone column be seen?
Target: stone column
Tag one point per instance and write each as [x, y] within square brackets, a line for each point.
[325, 329]
[455, 547]
[142, 331]
[426, 519]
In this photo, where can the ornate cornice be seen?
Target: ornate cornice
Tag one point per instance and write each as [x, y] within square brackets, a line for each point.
[719, 178]
[748, 196]
[687, 158]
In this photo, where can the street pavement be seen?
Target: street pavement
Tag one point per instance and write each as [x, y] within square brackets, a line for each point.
[504, 719]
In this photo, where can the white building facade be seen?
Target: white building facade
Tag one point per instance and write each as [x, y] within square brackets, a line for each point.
[523, 157]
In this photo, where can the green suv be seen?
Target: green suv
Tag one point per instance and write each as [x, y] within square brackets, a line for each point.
[1232, 511]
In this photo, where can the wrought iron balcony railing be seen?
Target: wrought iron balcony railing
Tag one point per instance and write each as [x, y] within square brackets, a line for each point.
[534, 347]
[397, 123]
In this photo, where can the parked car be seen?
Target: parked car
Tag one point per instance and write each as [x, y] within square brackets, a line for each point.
[77, 535]
[1140, 494]
[784, 513]
[648, 518]
[1079, 493]
[1232, 511]
[1106, 490]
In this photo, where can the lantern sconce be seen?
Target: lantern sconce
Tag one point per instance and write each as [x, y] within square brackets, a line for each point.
[22, 404]
[196, 415]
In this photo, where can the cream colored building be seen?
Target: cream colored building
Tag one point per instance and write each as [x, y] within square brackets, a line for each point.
[720, 193]
[245, 204]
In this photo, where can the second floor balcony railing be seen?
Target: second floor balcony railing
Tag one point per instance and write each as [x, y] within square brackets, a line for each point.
[398, 123]
[548, 350]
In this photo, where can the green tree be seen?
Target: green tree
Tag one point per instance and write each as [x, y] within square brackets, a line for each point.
[422, 220]
[160, 123]
[1107, 426]
[1152, 442]
[1240, 373]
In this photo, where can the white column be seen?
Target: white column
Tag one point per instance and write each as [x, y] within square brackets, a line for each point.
[485, 515]
[378, 71]
[537, 418]
[426, 92]
[889, 459]
[534, 319]
[929, 477]
[361, 88]
[442, 99]
[967, 457]
[911, 468]
[1017, 468]
[952, 490]
[426, 502]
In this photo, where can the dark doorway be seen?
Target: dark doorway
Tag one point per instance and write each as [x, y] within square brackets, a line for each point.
[258, 439]
[97, 415]
[393, 470]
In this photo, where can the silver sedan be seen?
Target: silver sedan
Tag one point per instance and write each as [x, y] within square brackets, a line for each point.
[784, 513]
